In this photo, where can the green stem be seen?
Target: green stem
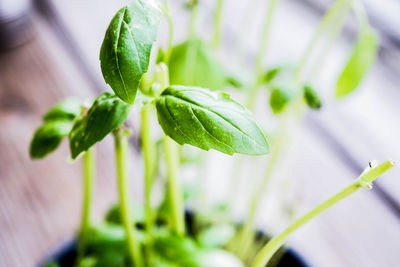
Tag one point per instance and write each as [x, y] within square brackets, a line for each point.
[361, 14]
[88, 169]
[261, 52]
[167, 14]
[247, 232]
[122, 154]
[174, 191]
[364, 180]
[148, 156]
[175, 194]
[217, 24]
[328, 18]
[193, 21]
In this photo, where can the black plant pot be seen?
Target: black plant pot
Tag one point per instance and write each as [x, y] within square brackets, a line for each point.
[65, 255]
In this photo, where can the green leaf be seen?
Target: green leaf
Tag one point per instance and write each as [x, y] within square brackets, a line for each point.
[216, 235]
[209, 120]
[179, 250]
[48, 137]
[67, 109]
[271, 74]
[192, 63]
[279, 99]
[362, 57]
[106, 114]
[125, 52]
[311, 97]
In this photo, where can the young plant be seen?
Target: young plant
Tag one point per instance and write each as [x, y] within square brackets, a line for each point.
[194, 111]
[187, 115]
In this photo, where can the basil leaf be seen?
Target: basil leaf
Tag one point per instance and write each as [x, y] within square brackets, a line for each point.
[311, 97]
[279, 99]
[362, 58]
[191, 63]
[106, 114]
[67, 109]
[125, 52]
[48, 137]
[209, 120]
[217, 235]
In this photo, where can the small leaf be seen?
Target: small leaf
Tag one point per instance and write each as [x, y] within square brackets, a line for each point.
[191, 63]
[311, 97]
[279, 99]
[67, 109]
[48, 137]
[179, 250]
[209, 120]
[125, 52]
[106, 114]
[271, 74]
[361, 59]
[216, 235]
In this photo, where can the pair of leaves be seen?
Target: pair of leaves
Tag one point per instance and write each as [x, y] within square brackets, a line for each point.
[57, 123]
[281, 96]
[362, 57]
[192, 64]
[125, 52]
[106, 114]
[209, 120]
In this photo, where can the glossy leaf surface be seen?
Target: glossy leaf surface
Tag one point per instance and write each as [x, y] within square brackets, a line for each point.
[209, 120]
[125, 52]
[106, 114]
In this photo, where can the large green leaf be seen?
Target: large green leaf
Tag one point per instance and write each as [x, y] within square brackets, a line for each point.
[48, 137]
[192, 63]
[362, 57]
[125, 52]
[209, 120]
[106, 114]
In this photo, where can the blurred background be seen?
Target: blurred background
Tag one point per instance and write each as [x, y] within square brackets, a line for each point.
[49, 50]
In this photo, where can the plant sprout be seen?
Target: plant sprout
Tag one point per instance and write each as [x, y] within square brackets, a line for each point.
[185, 93]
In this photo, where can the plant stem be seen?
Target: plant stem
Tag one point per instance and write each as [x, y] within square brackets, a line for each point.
[122, 154]
[88, 169]
[167, 14]
[217, 24]
[148, 156]
[193, 21]
[247, 232]
[328, 18]
[175, 194]
[261, 52]
[364, 180]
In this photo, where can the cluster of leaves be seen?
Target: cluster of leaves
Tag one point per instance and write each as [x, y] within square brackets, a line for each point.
[282, 92]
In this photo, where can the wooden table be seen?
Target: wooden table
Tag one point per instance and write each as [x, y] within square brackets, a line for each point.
[39, 200]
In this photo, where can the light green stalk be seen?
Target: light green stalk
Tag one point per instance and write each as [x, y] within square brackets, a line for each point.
[261, 52]
[149, 167]
[174, 190]
[122, 158]
[217, 24]
[88, 168]
[364, 180]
